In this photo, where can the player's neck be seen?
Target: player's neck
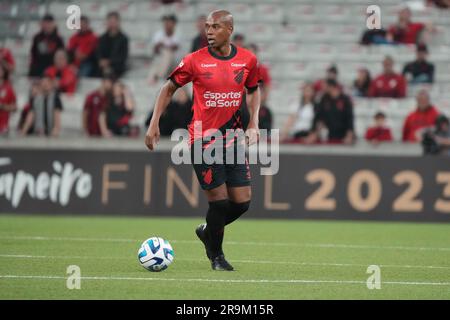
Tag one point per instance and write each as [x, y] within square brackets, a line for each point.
[223, 51]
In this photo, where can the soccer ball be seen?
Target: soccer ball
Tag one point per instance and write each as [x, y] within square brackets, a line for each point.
[155, 254]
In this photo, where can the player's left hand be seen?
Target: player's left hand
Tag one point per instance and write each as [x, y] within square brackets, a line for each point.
[252, 134]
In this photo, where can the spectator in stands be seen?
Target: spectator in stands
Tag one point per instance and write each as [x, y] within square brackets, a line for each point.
[420, 70]
[95, 104]
[422, 118]
[64, 74]
[300, 120]
[7, 100]
[333, 117]
[112, 50]
[320, 86]
[442, 134]
[265, 81]
[374, 36]
[7, 60]
[44, 116]
[380, 132]
[239, 40]
[361, 84]
[178, 114]
[45, 44]
[119, 111]
[200, 41]
[35, 90]
[389, 84]
[166, 44]
[405, 31]
[81, 48]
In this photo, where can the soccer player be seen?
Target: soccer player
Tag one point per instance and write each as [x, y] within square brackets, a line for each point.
[220, 73]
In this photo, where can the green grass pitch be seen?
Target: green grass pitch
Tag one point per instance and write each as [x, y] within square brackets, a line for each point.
[274, 259]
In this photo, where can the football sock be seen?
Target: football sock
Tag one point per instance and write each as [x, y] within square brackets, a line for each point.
[215, 220]
[236, 210]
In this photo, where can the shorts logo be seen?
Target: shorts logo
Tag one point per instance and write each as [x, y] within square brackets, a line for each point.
[207, 176]
[239, 76]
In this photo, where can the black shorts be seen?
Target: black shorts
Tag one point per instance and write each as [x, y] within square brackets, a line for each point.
[233, 173]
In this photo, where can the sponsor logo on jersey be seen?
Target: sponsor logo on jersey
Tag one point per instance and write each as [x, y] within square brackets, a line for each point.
[240, 65]
[208, 65]
[222, 99]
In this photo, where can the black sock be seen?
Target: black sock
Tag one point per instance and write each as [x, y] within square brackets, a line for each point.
[215, 225]
[236, 210]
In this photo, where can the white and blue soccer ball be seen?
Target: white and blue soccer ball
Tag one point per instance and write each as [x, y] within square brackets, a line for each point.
[155, 254]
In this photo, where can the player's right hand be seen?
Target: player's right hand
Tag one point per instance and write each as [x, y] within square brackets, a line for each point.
[152, 136]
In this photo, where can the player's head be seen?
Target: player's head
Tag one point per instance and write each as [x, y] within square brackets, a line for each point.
[423, 99]
[218, 28]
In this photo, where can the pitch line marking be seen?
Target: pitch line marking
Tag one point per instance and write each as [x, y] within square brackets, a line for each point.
[282, 244]
[299, 281]
[324, 264]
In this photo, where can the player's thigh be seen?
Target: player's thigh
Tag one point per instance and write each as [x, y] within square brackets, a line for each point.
[239, 194]
[216, 194]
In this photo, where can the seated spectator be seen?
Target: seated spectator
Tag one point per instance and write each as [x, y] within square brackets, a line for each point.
[112, 50]
[333, 117]
[34, 92]
[422, 118]
[239, 40]
[81, 48]
[44, 116]
[7, 60]
[166, 45]
[64, 74]
[177, 115]
[320, 86]
[361, 84]
[45, 44]
[442, 134]
[374, 36]
[7, 100]
[420, 70]
[95, 104]
[379, 132]
[300, 120]
[119, 111]
[405, 31]
[200, 41]
[389, 84]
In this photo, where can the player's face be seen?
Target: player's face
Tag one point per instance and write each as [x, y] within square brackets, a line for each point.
[217, 32]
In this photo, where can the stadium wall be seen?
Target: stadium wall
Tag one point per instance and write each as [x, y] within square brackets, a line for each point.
[307, 186]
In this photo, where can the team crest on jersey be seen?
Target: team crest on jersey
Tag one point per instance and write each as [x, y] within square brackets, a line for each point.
[239, 76]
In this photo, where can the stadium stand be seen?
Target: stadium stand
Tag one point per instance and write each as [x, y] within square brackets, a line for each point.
[293, 28]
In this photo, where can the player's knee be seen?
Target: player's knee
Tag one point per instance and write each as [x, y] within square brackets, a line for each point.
[240, 207]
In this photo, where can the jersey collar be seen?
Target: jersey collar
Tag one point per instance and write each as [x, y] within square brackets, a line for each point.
[230, 56]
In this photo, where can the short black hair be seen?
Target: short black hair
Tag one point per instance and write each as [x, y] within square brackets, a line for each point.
[379, 114]
[333, 69]
[113, 14]
[48, 17]
[84, 18]
[170, 17]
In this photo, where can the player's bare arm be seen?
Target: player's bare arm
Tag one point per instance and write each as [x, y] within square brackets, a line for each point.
[163, 99]
[253, 102]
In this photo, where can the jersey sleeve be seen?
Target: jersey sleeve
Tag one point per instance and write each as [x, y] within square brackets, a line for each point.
[182, 74]
[253, 77]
